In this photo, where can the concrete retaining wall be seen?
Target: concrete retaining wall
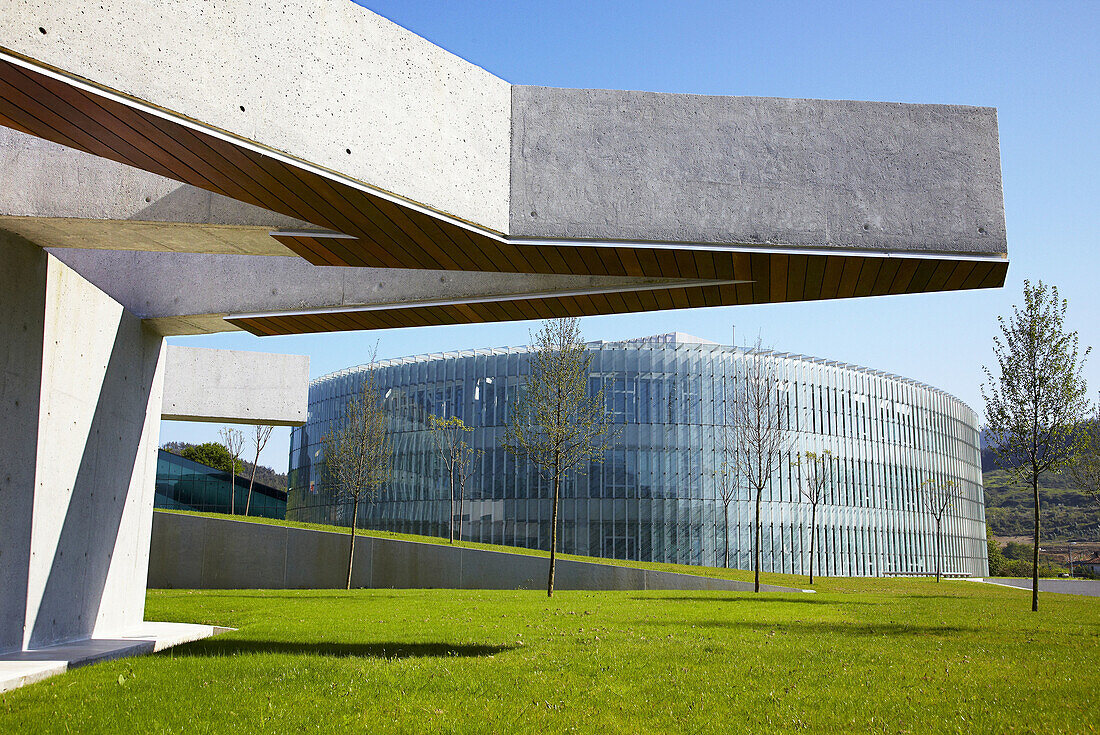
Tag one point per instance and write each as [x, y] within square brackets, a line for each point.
[197, 552]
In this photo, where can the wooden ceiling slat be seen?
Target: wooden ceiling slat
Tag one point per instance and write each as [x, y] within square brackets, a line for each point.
[177, 145]
[962, 269]
[849, 277]
[980, 273]
[885, 276]
[925, 269]
[685, 264]
[762, 277]
[904, 276]
[834, 269]
[796, 277]
[815, 276]
[303, 246]
[943, 271]
[778, 264]
[868, 274]
[996, 277]
[80, 111]
[34, 115]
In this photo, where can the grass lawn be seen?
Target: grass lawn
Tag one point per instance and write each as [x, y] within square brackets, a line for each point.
[881, 656]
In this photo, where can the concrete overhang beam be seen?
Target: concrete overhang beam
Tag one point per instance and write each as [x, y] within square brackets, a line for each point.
[232, 386]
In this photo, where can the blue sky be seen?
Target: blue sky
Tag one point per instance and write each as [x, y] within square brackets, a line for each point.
[1037, 63]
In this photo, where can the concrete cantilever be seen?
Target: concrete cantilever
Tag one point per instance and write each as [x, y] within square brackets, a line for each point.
[768, 200]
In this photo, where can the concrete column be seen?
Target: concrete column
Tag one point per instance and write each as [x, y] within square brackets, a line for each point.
[81, 382]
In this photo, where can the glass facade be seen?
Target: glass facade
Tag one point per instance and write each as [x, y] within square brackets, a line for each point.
[186, 485]
[655, 495]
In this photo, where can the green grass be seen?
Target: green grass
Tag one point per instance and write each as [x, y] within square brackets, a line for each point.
[903, 655]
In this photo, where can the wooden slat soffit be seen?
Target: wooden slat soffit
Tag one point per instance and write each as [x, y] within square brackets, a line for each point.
[379, 229]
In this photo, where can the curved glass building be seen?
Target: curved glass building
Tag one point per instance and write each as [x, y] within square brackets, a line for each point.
[655, 496]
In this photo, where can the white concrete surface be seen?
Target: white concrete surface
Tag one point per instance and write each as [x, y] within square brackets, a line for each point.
[86, 380]
[314, 79]
[26, 667]
[233, 386]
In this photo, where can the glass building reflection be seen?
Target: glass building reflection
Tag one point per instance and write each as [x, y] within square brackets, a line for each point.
[655, 496]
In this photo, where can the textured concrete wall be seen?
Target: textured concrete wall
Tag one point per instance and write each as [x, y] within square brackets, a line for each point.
[23, 310]
[235, 386]
[755, 170]
[80, 500]
[191, 293]
[315, 79]
[213, 553]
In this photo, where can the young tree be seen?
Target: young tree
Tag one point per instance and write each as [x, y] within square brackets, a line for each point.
[555, 422]
[815, 471]
[259, 440]
[1034, 401]
[234, 443]
[1085, 467]
[457, 457]
[940, 496]
[760, 428]
[358, 452]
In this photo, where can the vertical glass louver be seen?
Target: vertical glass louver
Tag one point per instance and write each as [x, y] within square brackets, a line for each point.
[655, 496]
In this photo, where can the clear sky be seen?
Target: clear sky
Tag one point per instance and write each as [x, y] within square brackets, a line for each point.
[1037, 63]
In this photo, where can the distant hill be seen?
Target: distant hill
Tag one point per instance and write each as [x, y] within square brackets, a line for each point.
[1067, 513]
[265, 475]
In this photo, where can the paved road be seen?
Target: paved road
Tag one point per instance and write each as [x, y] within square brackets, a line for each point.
[1090, 587]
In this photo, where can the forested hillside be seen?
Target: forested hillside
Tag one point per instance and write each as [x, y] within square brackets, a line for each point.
[1068, 514]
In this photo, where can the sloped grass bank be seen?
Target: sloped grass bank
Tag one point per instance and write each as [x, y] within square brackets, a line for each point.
[896, 656]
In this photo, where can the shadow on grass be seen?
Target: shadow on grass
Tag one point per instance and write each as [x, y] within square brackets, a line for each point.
[852, 629]
[228, 647]
[751, 597]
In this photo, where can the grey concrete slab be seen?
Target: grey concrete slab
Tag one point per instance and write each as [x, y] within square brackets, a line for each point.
[644, 166]
[319, 560]
[26, 667]
[235, 552]
[486, 570]
[181, 563]
[204, 288]
[235, 386]
[244, 556]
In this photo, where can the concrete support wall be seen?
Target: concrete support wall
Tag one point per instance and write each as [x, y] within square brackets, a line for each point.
[82, 383]
[234, 386]
[197, 552]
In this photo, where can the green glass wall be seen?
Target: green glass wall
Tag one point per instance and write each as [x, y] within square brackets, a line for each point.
[186, 485]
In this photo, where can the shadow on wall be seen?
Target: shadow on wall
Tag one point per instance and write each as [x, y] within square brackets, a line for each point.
[387, 650]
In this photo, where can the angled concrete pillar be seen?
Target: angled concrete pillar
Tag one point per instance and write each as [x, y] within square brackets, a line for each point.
[82, 383]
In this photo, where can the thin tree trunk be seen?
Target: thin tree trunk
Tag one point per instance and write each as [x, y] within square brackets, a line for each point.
[553, 537]
[461, 497]
[756, 559]
[813, 533]
[351, 545]
[233, 487]
[1035, 550]
[251, 480]
[727, 532]
[452, 523]
[939, 548]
